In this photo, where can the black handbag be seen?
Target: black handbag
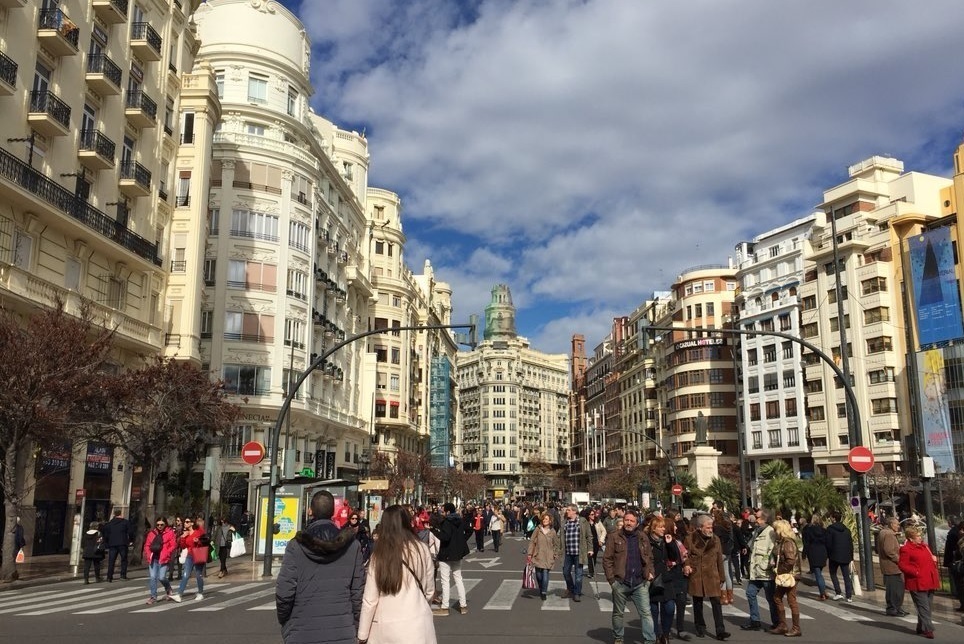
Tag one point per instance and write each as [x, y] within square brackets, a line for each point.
[657, 586]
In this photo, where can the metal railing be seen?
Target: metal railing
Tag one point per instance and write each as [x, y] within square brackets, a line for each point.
[8, 70]
[249, 337]
[138, 100]
[57, 20]
[248, 234]
[144, 31]
[54, 194]
[181, 201]
[101, 64]
[178, 266]
[135, 171]
[95, 141]
[46, 102]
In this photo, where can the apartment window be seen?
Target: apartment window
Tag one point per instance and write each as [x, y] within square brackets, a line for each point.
[256, 129]
[790, 407]
[835, 352]
[247, 380]
[770, 353]
[248, 327]
[219, 82]
[235, 440]
[257, 88]
[774, 438]
[393, 410]
[753, 384]
[381, 354]
[214, 219]
[770, 382]
[835, 323]
[789, 379]
[298, 284]
[877, 314]
[210, 268]
[207, 324]
[751, 357]
[757, 440]
[883, 406]
[116, 293]
[394, 382]
[877, 345]
[22, 250]
[785, 323]
[380, 408]
[187, 127]
[256, 225]
[809, 330]
[183, 197]
[253, 276]
[816, 413]
[832, 294]
[169, 114]
[298, 236]
[766, 325]
[178, 259]
[787, 348]
[294, 333]
[72, 271]
[396, 301]
[808, 303]
[813, 386]
[292, 101]
[874, 285]
[755, 411]
[698, 310]
[396, 355]
[881, 375]
[773, 409]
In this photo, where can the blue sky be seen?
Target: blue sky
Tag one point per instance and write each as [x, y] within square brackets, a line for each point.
[585, 152]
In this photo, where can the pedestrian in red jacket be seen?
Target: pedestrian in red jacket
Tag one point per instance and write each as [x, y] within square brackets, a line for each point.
[919, 566]
[159, 544]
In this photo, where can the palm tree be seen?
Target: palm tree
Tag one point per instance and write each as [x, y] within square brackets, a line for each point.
[725, 490]
[775, 469]
[782, 494]
[819, 495]
[692, 494]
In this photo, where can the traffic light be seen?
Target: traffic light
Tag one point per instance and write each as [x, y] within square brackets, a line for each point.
[474, 331]
[643, 335]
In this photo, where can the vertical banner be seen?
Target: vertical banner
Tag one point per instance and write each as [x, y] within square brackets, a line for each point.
[330, 465]
[439, 406]
[935, 417]
[937, 303]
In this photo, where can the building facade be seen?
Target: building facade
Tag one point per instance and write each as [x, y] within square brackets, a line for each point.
[514, 423]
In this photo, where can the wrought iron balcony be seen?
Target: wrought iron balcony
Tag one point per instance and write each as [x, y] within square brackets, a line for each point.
[182, 201]
[103, 76]
[48, 114]
[145, 42]
[135, 179]
[57, 33]
[96, 150]
[111, 11]
[22, 176]
[141, 110]
[8, 75]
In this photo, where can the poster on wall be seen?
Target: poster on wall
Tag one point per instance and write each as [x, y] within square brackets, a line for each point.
[935, 415]
[286, 512]
[937, 303]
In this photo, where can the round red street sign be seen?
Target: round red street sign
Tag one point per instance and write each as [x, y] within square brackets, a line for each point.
[860, 459]
[677, 489]
[252, 453]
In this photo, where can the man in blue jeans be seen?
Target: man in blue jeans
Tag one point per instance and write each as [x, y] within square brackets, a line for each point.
[761, 569]
[628, 562]
[576, 546]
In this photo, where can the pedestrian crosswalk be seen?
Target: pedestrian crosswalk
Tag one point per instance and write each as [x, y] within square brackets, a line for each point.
[486, 593]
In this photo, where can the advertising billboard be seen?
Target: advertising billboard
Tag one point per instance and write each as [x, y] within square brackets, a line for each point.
[937, 304]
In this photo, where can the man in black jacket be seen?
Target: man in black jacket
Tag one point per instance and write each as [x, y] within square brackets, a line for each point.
[453, 547]
[119, 535]
[840, 552]
[322, 580]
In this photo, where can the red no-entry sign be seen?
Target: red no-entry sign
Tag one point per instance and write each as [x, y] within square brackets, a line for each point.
[860, 459]
[677, 489]
[252, 453]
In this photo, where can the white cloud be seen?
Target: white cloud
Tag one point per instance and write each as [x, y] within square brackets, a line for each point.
[592, 150]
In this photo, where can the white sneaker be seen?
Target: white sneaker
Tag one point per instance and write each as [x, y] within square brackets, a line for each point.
[198, 597]
[837, 597]
[176, 598]
[850, 600]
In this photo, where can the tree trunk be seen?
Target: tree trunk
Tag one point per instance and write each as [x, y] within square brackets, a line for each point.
[11, 507]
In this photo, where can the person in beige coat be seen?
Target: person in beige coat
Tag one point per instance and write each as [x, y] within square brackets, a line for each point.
[544, 551]
[888, 549]
[401, 582]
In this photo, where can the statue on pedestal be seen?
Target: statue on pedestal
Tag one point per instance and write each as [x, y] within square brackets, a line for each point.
[701, 429]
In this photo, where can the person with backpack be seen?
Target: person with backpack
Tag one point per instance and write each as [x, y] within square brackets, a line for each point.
[159, 544]
[198, 545]
[787, 571]
[92, 546]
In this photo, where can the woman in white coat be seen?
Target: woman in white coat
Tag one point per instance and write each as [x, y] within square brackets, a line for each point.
[399, 587]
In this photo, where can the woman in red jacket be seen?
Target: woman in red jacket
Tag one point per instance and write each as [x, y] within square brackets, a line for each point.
[198, 545]
[159, 545]
[919, 566]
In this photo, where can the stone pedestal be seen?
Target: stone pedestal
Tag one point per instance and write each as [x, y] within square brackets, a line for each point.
[704, 464]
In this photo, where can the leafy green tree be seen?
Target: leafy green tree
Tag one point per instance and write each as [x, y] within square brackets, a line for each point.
[692, 494]
[53, 366]
[819, 495]
[725, 490]
[782, 494]
[775, 469]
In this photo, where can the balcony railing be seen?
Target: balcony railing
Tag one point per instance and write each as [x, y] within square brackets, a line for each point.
[46, 102]
[252, 286]
[250, 337]
[182, 201]
[136, 172]
[54, 194]
[8, 70]
[178, 266]
[58, 21]
[95, 141]
[138, 100]
[252, 234]
[144, 31]
[101, 64]
[111, 11]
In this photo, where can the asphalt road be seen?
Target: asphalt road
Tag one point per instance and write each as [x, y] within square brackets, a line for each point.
[238, 610]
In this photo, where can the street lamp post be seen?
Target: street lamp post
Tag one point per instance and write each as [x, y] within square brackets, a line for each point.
[273, 479]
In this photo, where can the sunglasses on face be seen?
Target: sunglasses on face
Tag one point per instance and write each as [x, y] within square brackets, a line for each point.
[354, 518]
[160, 525]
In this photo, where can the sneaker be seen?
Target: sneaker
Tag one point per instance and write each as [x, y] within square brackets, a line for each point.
[850, 600]
[837, 597]
[198, 597]
[151, 601]
[752, 626]
[618, 640]
[176, 598]
[441, 612]
[463, 610]
[577, 598]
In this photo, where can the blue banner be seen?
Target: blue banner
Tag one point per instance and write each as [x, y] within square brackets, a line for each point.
[936, 298]
[440, 411]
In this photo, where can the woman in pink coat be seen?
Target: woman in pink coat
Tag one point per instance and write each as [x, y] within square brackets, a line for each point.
[400, 585]
[919, 566]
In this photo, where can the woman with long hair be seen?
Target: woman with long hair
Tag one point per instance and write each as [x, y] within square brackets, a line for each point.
[786, 556]
[668, 567]
[672, 523]
[545, 548]
[399, 587]
[815, 550]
